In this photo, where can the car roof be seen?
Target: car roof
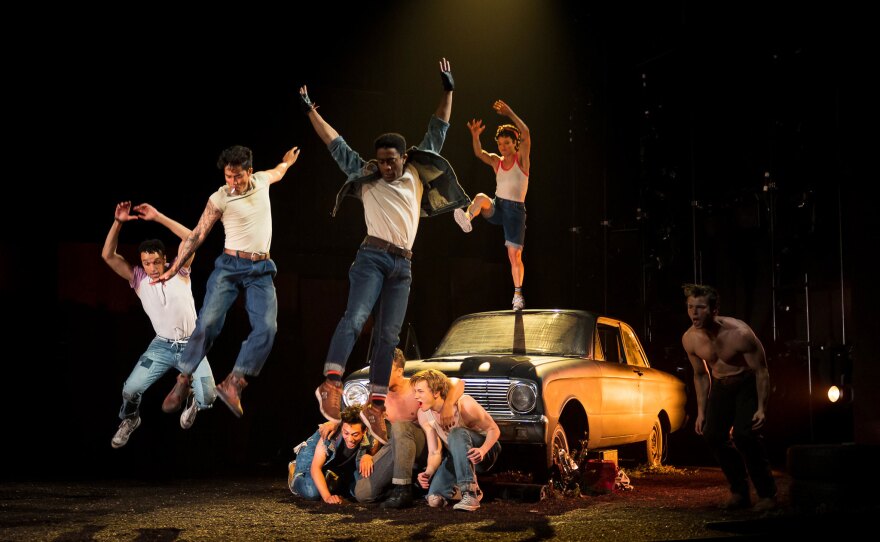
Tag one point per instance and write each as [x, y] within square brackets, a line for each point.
[531, 311]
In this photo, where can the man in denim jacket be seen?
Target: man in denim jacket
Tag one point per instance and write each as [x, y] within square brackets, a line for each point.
[326, 467]
[396, 189]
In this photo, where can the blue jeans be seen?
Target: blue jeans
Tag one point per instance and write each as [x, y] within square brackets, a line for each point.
[229, 276]
[160, 357]
[511, 215]
[456, 468]
[375, 277]
[304, 486]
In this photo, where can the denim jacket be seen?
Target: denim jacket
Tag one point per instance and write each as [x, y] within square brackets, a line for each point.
[442, 191]
[305, 452]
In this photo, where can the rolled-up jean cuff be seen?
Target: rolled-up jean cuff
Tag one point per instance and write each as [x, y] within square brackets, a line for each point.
[401, 481]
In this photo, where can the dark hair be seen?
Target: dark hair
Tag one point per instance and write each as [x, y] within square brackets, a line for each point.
[391, 141]
[152, 246]
[511, 131]
[236, 156]
[352, 414]
[701, 290]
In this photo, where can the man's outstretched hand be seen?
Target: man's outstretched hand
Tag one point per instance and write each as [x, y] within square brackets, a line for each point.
[304, 102]
[123, 212]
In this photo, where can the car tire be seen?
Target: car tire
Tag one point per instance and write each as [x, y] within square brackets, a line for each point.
[558, 441]
[655, 447]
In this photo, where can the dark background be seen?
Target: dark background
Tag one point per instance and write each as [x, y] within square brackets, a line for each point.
[671, 143]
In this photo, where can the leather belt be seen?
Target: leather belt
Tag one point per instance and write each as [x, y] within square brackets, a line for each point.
[173, 341]
[252, 256]
[387, 247]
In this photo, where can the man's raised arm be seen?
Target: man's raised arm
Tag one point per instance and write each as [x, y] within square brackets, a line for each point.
[189, 245]
[324, 130]
[444, 109]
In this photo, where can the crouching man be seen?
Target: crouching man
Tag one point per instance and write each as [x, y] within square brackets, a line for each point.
[330, 467]
[471, 443]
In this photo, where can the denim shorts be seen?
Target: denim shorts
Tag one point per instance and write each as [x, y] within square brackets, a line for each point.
[512, 216]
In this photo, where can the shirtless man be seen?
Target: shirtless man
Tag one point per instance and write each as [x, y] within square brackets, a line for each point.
[393, 464]
[728, 349]
[472, 442]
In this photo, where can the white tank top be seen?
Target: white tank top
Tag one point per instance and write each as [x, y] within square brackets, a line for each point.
[511, 184]
[169, 304]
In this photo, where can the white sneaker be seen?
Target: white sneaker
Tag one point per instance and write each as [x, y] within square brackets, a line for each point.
[469, 502]
[519, 302]
[456, 492]
[436, 501]
[463, 220]
[126, 428]
[188, 416]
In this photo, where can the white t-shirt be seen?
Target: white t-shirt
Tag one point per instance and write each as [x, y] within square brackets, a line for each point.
[392, 210]
[247, 218]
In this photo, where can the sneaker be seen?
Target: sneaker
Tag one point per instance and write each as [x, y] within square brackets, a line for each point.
[469, 502]
[329, 396]
[736, 501]
[291, 471]
[374, 417]
[401, 497]
[456, 494]
[463, 220]
[126, 428]
[765, 504]
[436, 501]
[519, 302]
[229, 391]
[188, 416]
[175, 398]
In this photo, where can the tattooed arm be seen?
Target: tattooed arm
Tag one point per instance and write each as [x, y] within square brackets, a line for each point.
[194, 241]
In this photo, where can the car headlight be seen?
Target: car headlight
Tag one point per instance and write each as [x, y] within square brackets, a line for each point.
[522, 397]
[355, 393]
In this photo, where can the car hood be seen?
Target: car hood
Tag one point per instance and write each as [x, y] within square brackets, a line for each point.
[483, 366]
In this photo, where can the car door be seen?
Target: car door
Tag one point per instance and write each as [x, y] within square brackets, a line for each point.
[649, 393]
[621, 399]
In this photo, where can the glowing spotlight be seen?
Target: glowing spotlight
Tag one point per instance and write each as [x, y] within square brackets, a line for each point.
[834, 394]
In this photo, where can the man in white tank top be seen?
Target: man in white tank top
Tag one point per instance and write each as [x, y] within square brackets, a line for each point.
[471, 442]
[507, 208]
[242, 204]
[172, 311]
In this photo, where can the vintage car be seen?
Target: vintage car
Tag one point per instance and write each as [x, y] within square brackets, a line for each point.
[555, 381]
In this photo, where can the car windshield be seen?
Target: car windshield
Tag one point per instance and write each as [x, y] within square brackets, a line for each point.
[540, 333]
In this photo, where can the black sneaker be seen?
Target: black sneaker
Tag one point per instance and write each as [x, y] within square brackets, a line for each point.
[401, 497]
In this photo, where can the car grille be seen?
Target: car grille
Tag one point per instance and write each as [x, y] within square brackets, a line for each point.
[491, 393]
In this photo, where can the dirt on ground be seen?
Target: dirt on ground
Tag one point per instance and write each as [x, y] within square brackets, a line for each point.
[668, 504]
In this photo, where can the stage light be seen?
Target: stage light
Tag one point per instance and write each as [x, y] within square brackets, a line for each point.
[834, 394]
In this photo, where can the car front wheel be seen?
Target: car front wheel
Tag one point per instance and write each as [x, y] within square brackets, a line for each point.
[655, 446]
[559, 448]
